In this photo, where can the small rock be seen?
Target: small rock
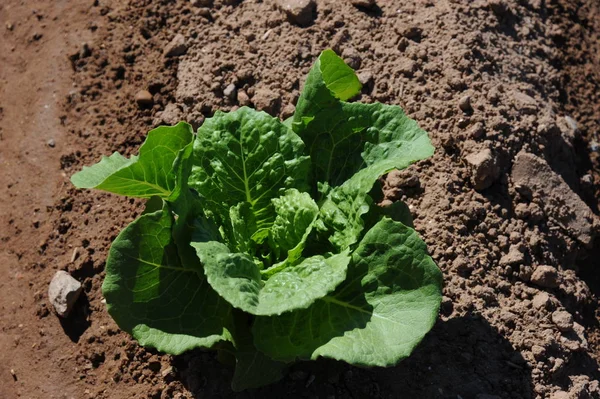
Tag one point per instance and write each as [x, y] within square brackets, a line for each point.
[404, 178]
[171, 115]
[143, 98]
[51, 143]
[560, 395]
[166, 372]
[484, 169]
[563, 320]
[465, 104]
[63, 292]
[230, 91]
[524, 102]
[368, 4]
[37, 36]
[514, 256]
[243, 98]
[533, 177]
[176, 47]
[9, 26]
[539, 352]
[522, 211]
[407, 67]
[299, 12]
[266, 100]
[352, 57]
[288, 111]
[204, 12]
[412, 32]
[365, 77]
[545, 276]
[477, 130]
[541, 300]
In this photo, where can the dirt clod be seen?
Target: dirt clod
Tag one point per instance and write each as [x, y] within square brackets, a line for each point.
[299, 12]
[176, 47]
[545, 276]
[563, 320]
[484, 169]
[266, 100]
[533, 177]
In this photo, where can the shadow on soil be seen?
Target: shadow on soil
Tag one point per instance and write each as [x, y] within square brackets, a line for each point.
[78, 321]
[462, 357]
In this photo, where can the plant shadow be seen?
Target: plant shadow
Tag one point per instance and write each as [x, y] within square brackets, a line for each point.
[461, 357]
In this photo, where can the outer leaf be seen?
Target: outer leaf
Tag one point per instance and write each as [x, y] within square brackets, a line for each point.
[389, 301]
[248, 156]
[153, 173]
[237, 278]
[163, 303]
[296, 213]
[399, 142]
[343, 138]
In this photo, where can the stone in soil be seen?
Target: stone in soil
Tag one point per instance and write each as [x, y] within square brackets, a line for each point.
[230, 91]
[545, 276]
[534, 178]
[266, 100]
[484, 169]
[299, 12]
[171, 115]
[143, 98]
[176, 47]
[465, 104]
[563, 320]
[63, 292]
[514, 256]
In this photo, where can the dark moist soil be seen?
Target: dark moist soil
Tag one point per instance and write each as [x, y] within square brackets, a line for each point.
[489, 79]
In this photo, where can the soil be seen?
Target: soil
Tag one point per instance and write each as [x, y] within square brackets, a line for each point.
[509, 91]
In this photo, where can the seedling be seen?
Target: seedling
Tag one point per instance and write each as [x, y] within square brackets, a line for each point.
[261, 238]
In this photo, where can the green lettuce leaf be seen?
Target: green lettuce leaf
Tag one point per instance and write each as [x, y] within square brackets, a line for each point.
[157, 171]
[237, 278]
[246, 156]
[150, 293]
[388, 302]
[351, 145]
[296, 213]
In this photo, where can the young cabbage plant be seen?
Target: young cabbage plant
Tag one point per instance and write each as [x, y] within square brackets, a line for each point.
[261, 238]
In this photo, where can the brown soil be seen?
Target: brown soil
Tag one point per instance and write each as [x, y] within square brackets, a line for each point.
[514, 236]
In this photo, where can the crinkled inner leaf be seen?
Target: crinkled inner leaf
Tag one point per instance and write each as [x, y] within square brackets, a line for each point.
[388, 302]
[237, 278]
[246, 156]
[296, 212]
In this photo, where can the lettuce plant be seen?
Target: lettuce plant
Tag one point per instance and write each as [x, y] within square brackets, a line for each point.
[261, 239]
